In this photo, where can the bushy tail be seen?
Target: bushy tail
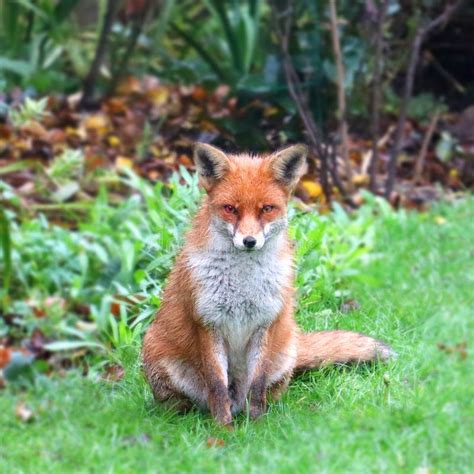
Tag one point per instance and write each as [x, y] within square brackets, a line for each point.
[316, 349]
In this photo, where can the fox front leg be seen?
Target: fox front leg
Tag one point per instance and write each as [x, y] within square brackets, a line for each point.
[257, 373]
[258, 396]
[214, 371]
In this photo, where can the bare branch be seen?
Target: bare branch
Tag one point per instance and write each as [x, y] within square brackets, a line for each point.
[283, 23]
[420, 37]
[138, 22]
[377, 92]
[341, 96]
[91, 79]
[420, 160]
[283, 30]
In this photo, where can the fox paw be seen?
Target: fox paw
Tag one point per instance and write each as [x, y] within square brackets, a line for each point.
[256, 411]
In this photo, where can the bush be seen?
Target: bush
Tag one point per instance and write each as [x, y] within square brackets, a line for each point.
[100, 282]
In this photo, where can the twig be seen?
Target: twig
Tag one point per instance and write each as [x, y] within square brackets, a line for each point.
[429, 57]
[294, 88]
[377, 93]
[137, 26]
[283, 31]
[420, 159]
[90, 81]
[341, 96]
[367, 159]
[420, 37]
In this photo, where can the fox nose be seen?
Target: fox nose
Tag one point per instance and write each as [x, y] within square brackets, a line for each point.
[250, 242]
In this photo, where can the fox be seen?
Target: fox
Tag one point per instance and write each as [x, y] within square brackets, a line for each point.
[225, 338]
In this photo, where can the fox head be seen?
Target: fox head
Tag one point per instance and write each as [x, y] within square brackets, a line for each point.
[248, 195]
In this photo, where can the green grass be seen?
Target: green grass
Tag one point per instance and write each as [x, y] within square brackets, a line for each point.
[413, 414]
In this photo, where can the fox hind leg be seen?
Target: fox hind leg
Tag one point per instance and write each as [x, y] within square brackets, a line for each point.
[278, 388]
[176, 384]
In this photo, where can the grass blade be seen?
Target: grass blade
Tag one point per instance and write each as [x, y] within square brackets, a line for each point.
[7, 257]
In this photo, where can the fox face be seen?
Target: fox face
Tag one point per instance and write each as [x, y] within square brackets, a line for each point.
[248, 195]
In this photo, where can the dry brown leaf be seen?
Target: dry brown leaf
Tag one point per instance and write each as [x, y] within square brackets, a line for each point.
[5, 356]
[459, 348]
[98, 123]
[350, 305]
[215, 442]
[113, 373]
[199, 93]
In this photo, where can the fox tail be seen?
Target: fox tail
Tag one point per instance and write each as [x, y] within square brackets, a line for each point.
[317, 349]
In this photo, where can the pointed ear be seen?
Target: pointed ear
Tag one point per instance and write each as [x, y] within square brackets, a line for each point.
[211, 164]
[290, 164]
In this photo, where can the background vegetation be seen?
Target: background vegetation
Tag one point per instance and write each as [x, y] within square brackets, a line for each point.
[100, 104]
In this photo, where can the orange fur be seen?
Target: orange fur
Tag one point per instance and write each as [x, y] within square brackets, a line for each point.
[191, 352]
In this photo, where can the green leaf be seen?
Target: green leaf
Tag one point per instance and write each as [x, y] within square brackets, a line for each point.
[17, 66]
[6, 256]
[19, 367]
[66, 191]
[71, 345]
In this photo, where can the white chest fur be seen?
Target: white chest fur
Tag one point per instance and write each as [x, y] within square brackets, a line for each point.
[239, 289]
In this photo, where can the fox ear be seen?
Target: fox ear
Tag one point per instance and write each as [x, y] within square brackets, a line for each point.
[211, 164]
[290, 164]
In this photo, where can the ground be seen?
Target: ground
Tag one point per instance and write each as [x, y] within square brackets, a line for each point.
[414, 414]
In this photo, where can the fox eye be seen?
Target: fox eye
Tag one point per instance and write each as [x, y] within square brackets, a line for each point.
[230, 209]
[268, 208]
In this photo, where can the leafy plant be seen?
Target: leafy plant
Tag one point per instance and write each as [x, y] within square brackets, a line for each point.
[116, 261]
[35, 40]
[237, 24]
[30, 110]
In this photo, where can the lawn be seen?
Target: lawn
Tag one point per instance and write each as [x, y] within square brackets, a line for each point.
[414, 288]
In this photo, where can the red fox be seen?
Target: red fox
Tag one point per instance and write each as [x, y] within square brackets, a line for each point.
[225, 334]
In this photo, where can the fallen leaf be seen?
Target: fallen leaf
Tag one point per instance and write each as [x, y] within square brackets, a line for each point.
[270, 111]
[113, 141]
[215, 442]
[360, 179]
[122, 162]
[313, 188]
[185, 160]
[24, 412]
[350, 305]
[199, 93]
[459, 348]
[113, 373]
[35, 129]
[128, 86]
[5, 356]
[99, 123]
